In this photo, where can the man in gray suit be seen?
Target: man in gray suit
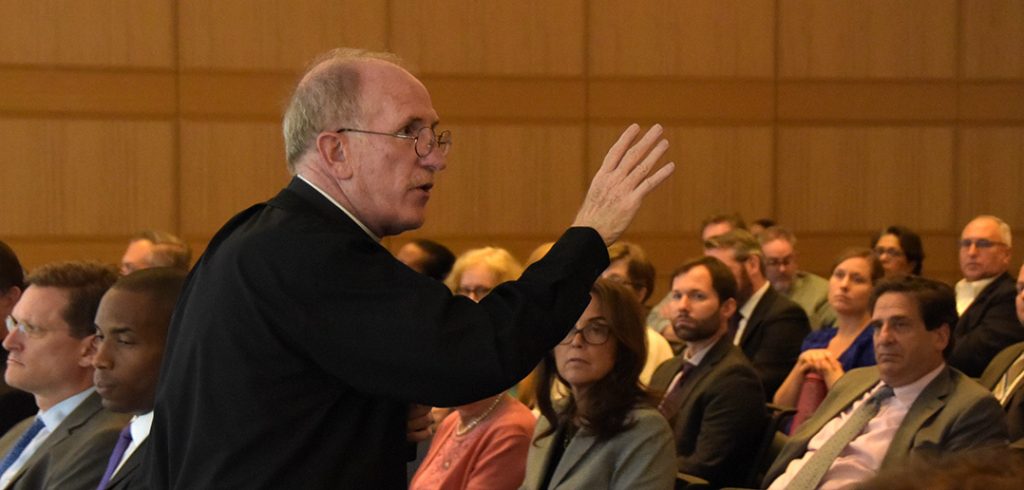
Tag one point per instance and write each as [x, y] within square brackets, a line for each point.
[910, 405]
[50, 341]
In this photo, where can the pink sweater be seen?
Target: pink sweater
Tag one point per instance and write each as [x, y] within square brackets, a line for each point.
[491, 456]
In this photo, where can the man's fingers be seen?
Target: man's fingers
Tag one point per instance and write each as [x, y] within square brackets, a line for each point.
[618, 150]
[652, 181]
[639, 151]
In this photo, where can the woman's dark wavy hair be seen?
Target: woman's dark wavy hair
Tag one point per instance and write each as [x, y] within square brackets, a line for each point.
[611, 398]
[910, 242]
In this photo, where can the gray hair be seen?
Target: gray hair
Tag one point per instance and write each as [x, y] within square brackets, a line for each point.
[1004, 228]
[328, 93]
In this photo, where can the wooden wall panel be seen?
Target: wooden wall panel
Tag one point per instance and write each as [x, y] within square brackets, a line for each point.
[665, 101]
[991, 174]
[86, 177]
[718, 169]
[867, 38]
[993, 39]
[225, 168]
[123, 33]
[529, 37]
[860, 179]
[87, 92]
[671, 38]
[509, 180]
[274, 34]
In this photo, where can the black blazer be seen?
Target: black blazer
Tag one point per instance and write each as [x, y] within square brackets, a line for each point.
[721, 415]
[299, 341]
[773, 336]
[1015, 404]
[988, 326]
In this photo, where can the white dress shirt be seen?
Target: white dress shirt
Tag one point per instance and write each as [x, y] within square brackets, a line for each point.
[967, 292]
[140, 426]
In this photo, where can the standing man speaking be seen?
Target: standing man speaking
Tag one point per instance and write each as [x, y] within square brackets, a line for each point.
[299, 340]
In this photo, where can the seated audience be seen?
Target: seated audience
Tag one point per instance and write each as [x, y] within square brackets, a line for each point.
[131, 329]
[827, 354]
[713, 397]
[984, 298]
[1005, 374]
[481, 444]
[15, 404]
[911, 404]
[630, 267]
[50, 341]
[427, 257]
[808, 290]
[768, 326]
[153, 248]
[605, 433]
[900, 251]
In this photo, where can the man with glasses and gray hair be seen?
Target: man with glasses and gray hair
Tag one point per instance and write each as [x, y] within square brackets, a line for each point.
[984, 297]
[299, 341]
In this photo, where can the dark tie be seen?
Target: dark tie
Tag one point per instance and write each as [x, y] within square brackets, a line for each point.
[19, 446]
[810, 474]
[670, 403]
[122, 444]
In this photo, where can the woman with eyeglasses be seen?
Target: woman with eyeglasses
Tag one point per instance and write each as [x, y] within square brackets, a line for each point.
[606, 433]
[899, 250]
[482, 444]
[828, 353]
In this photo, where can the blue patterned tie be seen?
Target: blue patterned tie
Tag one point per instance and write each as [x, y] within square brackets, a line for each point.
[19, 446]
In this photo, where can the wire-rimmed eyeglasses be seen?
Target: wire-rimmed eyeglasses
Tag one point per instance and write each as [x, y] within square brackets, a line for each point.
[425, 140]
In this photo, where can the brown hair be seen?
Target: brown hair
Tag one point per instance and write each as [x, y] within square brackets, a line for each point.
[85, 283]
[640, 270]
[610, 399]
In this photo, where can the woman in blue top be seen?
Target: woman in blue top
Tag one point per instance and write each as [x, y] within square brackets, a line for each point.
[828, 353]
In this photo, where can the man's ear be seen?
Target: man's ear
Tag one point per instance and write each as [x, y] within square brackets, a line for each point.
[87, 349]
[332, 151]
[728, 308]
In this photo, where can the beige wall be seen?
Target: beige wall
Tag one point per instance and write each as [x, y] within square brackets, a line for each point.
[835, 117]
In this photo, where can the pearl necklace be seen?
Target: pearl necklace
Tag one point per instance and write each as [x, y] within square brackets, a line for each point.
[462, 429]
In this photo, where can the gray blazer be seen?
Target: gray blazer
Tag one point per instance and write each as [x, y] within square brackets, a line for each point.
[75, 455]
[952, 413]
[640, 458]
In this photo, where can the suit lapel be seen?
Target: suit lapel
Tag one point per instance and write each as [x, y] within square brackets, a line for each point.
[834, 405]
[578, 448]
[698, 374]
[129, 465]
[79, 416]
[980, 304]
[931, 400]
[757, 316]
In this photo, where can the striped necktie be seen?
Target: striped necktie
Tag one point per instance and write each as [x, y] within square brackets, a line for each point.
[815, 468]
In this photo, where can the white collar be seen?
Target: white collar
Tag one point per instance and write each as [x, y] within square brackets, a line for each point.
[696, 356]
[974, 287]
[141, 424]
[755, 298]
[342, 208]
[906, 394]
[53, 416]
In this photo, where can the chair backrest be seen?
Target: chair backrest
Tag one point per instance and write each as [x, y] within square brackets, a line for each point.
[771, 442]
